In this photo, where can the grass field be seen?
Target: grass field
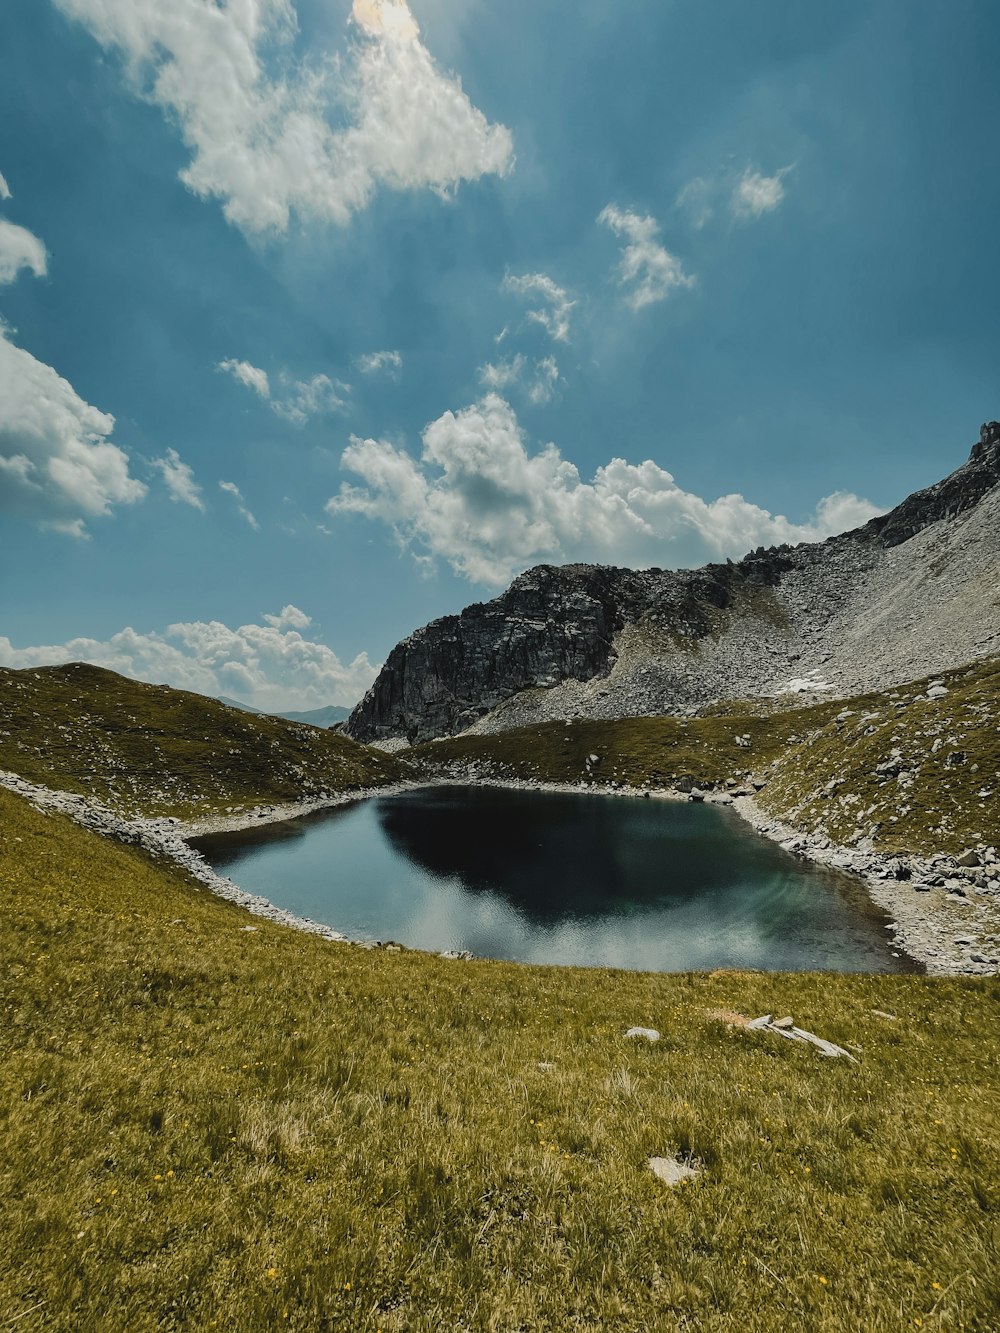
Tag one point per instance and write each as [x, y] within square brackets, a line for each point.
[210, 1127]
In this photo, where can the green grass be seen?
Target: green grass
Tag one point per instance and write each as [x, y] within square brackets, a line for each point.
[207, 1127]
[152, 750]
[821, 773]
[830, 783]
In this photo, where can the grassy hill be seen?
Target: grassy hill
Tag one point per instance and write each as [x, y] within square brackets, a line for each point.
[152, 750]
[938, 788]
[208, 1127]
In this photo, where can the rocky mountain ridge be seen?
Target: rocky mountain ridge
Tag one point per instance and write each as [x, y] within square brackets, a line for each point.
[914, 591]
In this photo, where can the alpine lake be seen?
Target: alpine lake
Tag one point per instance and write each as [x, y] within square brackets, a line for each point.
[562, 877]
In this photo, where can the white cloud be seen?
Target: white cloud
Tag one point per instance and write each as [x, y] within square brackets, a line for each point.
[252, 377]
[57, 463]
[373, 362]
[269, 665]
[501, 374]
[480, 501]
[296, 400]
[270, 136]
[647, 271]
[308, 398]
[755, 194]
[232, 489]
[555, 302]
[179, 480]
[289, 617]
[20, 248]
[543, 387]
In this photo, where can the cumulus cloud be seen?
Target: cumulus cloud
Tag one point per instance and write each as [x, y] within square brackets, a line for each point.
[269, 666]
[373, 362]
[252, 377]
[289, 617]
[20, 248]
[647, 271]
[294, 400]
[232, 489]
[270, 134]
[756, 194]
[479, 500]
[57, 462]
[552, 302]
[179, 480]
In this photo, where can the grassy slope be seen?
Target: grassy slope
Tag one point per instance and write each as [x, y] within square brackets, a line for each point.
[940, 807]
[207, 1127]
[148, 749]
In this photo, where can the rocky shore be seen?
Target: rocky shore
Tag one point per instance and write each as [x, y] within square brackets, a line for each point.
[167, 838]
[944, 911]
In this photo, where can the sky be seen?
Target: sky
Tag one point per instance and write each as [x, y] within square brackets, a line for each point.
[324, 318]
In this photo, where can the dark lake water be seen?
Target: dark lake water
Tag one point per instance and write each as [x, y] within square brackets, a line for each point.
[548, 877]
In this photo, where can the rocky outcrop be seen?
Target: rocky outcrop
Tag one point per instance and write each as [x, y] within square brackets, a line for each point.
[947, 499]
[912, 592]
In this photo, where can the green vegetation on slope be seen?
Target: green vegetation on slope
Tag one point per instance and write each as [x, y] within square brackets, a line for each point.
[939, 788]
[210, 1127]
[152, 750]
[916, 774]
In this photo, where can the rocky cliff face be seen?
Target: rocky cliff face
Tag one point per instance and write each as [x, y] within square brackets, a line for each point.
[914, 591]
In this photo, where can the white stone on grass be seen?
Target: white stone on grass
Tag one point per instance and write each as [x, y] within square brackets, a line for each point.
[671, 1171]
[650, 1034]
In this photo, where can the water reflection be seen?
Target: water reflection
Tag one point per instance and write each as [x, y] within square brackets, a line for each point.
[566, 878]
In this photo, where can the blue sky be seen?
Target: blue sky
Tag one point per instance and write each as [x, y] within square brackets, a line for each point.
[390, 302]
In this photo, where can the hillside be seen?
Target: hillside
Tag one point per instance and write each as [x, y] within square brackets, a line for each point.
[152, 750]
[913, 592]
[913, 770]
[200, 1119]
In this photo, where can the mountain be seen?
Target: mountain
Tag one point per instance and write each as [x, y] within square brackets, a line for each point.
[313, 717]
[913, 592]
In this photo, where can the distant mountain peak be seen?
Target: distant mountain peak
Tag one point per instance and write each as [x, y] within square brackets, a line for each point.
[330, 716]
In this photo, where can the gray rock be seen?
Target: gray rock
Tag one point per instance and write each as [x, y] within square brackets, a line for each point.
[594, 641]
[671, 1171]
[649, 1034]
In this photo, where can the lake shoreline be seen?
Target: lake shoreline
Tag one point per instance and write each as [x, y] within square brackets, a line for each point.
[930, 928]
